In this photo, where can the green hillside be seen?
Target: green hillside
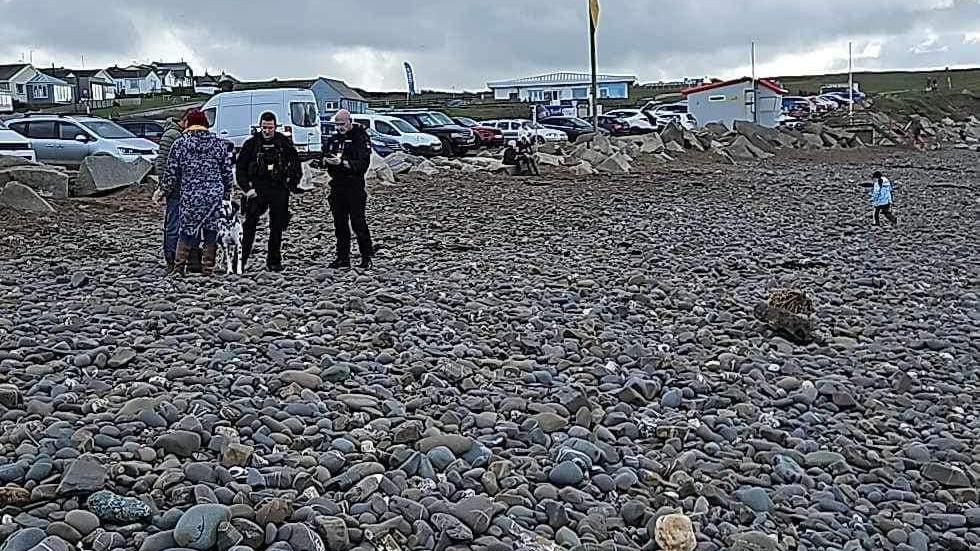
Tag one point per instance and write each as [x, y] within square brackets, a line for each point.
[887, 82]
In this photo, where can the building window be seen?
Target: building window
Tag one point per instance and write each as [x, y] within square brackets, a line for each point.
[39, 91]
[133, 84]
[717, 98]
[329, 106]
[5, 86]
[20, 89]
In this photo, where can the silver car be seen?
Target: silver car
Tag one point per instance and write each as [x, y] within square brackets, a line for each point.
[68, 140]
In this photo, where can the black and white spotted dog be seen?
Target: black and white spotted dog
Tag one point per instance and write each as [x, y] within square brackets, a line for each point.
[230, 236]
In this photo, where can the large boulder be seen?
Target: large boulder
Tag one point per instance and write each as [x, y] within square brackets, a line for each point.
[672, 133]
[741, 149]
[19, 197]
[614, 164]
[651, 143]
[582, 169]
[379, 170]
[427, 168]
[811, 141]
[46, 181]
[549, 160]
[585, 153]
[103, 173]
[7, 161]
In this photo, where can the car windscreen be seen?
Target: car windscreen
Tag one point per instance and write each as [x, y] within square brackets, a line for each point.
[469, 123]
[303, 113]
[108, 130]
[427, 120]
[403, 126]
[442, 119]
[578, 123]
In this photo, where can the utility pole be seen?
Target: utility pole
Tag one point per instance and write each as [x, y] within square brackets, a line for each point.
[755, 116]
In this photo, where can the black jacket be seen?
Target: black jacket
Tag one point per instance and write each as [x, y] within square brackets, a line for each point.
[354, 148]
[257, 156]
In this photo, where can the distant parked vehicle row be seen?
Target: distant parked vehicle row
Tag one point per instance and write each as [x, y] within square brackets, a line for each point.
[68, 140]
[486, 136]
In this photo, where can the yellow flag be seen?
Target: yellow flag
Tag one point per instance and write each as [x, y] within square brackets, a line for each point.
[594, 12]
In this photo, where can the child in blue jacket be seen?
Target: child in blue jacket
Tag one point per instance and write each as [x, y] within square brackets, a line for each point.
[881, 199]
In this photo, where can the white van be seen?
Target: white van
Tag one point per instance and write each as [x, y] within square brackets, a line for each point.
[411, 140]
[234, 116]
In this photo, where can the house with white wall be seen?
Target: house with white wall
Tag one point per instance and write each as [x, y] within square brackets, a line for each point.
[14, 79]
[175, 75]
[744, 99]
[135, 81]
[561, 87]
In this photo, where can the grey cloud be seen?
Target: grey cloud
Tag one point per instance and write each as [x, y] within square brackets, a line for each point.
[466, 43]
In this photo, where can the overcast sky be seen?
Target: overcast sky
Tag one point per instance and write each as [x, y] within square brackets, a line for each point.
[462, 44]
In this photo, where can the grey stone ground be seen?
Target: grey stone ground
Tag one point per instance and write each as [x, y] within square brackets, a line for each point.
[555, 358]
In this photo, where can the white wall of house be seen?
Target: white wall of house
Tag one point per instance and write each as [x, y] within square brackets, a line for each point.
[6, 102]
[503, 93]
[149, 84]
[62, 93]
[17, 85]
[209, 90]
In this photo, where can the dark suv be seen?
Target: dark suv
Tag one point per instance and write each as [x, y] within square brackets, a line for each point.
[456, 140]
[573, 126]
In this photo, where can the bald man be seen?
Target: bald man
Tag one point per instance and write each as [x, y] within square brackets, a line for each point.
[347, 163]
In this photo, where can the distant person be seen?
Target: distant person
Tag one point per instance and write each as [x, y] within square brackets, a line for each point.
[518, 155]
[268, 171]
[347, 165]
[200, 168]
[881, 199]
[171, 218]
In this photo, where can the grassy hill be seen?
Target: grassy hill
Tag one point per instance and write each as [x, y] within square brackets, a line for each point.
[888, 81]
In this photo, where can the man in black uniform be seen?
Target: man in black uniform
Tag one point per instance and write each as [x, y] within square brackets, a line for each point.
[347, 162]
[268, 170]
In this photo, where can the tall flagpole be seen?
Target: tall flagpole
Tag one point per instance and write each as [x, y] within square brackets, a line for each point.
[595, 87]
[850, 82]
[755, 117]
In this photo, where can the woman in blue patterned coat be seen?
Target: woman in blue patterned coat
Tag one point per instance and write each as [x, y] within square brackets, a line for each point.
[199, 166]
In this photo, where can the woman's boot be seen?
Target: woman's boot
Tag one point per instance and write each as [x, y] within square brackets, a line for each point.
[180, 258]
[208, 256]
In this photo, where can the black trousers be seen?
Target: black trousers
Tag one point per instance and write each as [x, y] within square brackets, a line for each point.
[276, 202]
[347, 204]
[887, 211]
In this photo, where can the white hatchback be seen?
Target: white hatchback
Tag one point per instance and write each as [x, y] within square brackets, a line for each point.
[15, 145]
[637, 120]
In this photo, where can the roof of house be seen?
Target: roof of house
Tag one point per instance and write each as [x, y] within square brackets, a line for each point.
[712, 85]
[340, 86]
[129, 72]
[560, 79]
[42, 78]
[205, 80]
[58, 72]
[7, 72]
[180, 69]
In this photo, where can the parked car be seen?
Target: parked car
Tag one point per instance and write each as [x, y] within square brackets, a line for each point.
[843, 98]
[835, 101]
[656, 107]
[519, 128]
[572, 126]
[68, 140]
[638, 121]
[789, 122]
[797, 106]
[486, 136]
[15, 145]
[234, 116]
[616, 126]
[411, 139]
[380, 144]
[685, 120]
[456, 140]
[822, 105]
[143, 128]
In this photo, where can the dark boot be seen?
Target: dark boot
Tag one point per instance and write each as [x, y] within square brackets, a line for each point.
[194, 260]
[339, 263]
[180, 258]
[365, 262]
[208, 256]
